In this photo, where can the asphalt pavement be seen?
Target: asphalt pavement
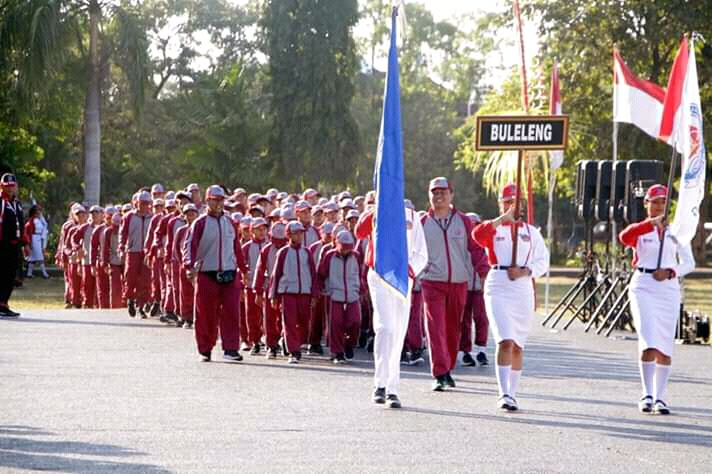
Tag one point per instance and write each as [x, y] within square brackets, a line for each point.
[96, 391]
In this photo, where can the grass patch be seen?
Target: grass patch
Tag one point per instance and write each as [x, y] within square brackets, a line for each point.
[39, 293]
[698, 293]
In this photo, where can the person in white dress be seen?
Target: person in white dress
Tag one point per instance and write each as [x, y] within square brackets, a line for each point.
[36, 231]
[654, 294]
[509, 291]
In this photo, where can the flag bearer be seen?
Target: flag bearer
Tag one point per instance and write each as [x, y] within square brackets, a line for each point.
[654, 293]
[508, 291]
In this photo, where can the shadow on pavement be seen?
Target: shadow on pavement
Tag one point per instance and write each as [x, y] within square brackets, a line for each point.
[148, 323]
[652, 430]
[18, 450]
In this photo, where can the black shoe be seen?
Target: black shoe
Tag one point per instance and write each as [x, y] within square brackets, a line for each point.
[362, 339]
[132, 308]
[316, 349]
[404, 358]
[482, 359]
[8, 313]
[339, 359]
[271, 353]
[232, 356]
[142, 313]
[283, 345]
[439, 384]
[255, 349]
[298, 355]
[468, 361]
[369, 346]
[349, 353]
[416, 357]
[379, 395]
[180, 323]
[205, 356]
[392, 401]
[155, 308]
[449, 382]
[187, 324]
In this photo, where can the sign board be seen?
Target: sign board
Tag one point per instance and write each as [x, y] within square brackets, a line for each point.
[523, 132]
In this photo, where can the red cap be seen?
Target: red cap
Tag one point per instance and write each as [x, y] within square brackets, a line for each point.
[509, 191]
[656, 191]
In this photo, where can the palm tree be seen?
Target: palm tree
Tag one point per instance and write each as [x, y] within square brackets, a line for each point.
[39, 36]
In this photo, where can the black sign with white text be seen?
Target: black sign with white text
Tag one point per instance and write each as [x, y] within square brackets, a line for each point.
[544, 132]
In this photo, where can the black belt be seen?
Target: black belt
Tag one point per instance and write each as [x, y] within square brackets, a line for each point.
[646, 270]
[504, 267]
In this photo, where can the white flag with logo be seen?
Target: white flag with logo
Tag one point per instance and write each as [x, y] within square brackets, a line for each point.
[688, 137]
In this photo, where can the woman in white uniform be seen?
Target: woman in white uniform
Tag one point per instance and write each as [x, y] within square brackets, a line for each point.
[37, 231]
[654, 294]
[509, 291]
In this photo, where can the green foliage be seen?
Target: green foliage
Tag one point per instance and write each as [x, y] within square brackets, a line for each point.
[312, 63]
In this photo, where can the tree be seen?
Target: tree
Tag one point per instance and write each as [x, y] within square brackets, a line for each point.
[104, 35]
[312, 65]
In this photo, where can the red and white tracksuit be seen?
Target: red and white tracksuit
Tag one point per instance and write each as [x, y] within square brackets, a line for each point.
[251, 252]
[444, 284]
[137, 276]
[294, 283]
[340, 275]
[272, 319]
[212, 246]
[113, 263]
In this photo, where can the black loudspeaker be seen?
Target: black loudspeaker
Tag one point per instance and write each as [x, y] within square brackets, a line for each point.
[617, 200]
[640, 175]
[586, 188]
[603, 190]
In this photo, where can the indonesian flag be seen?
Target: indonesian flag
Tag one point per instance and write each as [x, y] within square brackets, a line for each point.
[556, 157]
[682, 127]
[635, 100]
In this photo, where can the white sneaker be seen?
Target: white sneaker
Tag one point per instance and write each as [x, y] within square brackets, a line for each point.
[503, 402]
[292, 360]
[661, 408]
[513, 405]
[645, 404]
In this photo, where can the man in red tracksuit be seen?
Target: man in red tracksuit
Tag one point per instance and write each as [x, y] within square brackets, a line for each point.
[294, 286]
[185, 288]
[448, 234]
[213, 255]
[475, 308]
[102, 277]
[340, 274]
[81, 243]
[154, 254]
[251, 251]
[132, 235]
[61, 257]
[265, 264]
[165, 238]
[113, 262]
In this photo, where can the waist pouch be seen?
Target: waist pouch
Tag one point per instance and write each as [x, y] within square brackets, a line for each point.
[224, 277]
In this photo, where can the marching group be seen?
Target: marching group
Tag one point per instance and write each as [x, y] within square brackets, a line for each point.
[280, 273]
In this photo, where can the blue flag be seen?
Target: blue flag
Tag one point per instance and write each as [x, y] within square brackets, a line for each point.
[390, 244]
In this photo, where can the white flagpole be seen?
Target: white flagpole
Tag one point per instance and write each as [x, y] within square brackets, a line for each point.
[549, 234]
[611, 205]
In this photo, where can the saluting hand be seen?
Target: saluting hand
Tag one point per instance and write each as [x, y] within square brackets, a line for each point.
[658, 221]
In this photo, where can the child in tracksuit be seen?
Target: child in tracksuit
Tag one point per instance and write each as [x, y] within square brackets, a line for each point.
[265, 264]
[340, 273]
[293, 286]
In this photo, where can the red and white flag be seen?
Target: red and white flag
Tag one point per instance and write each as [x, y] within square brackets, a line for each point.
[682, 127]
[635, 100]
[556, 157]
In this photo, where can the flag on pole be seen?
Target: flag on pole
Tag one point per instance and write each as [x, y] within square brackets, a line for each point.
[635, 100]
[686, 135]
[556, 158]
[390, 244]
